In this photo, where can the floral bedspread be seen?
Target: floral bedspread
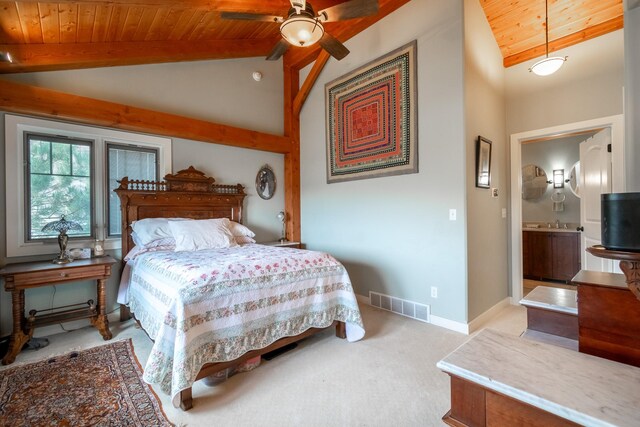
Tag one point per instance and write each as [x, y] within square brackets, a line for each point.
[215, 305]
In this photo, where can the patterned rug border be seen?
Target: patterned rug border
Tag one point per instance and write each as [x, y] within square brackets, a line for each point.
[140, 371]
[127, 342]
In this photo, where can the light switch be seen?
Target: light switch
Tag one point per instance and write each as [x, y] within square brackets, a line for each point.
[504, 212]
[452, 214]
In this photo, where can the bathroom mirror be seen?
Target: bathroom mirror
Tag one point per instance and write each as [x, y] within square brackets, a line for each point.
[534, 182]
[574, 179]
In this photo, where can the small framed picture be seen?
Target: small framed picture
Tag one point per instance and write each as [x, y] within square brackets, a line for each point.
[266, 182]
[483, 162]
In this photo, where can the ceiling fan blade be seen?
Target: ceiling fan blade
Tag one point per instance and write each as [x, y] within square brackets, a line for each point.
[278, 50]
[250, 17]
[349, 10]
[333, 46]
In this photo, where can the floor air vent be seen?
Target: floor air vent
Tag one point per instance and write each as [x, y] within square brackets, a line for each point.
[406, 308]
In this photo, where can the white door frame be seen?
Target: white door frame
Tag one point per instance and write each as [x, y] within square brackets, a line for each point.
[615, 123]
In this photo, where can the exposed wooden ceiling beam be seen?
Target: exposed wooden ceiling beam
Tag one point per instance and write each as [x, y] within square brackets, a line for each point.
[252, 6]
[343, 31]
[24, 99]
[256, 6]
[65, 56]
[571, 39]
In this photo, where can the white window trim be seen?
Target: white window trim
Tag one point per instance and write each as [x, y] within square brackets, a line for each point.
[16, 126]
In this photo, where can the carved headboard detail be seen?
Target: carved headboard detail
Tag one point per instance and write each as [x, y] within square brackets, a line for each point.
[186, 194]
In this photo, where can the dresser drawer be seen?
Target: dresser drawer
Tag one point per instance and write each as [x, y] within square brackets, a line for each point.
[27, 279]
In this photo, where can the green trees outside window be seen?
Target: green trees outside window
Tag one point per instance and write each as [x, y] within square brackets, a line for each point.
[59, 180]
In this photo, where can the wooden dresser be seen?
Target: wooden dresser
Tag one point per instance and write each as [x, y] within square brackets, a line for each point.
[609, 317]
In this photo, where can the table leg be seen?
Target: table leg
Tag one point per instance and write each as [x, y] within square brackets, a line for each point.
[100, 321]
[18, 336]
[631, 270]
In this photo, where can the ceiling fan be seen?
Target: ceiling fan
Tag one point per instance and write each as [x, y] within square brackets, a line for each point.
[302, 27]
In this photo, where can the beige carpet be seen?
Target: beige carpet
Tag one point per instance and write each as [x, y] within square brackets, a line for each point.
[388, 378]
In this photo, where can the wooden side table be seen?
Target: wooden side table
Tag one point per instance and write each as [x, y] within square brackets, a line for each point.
[19, 277]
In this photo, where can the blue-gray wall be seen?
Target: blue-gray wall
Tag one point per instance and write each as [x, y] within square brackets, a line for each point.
[632, 93]
[485, 114]
[393, 233]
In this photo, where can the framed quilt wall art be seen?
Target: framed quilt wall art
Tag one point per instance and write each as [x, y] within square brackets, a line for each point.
[371, 118]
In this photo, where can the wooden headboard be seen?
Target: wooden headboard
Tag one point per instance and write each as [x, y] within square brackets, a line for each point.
[187, 194]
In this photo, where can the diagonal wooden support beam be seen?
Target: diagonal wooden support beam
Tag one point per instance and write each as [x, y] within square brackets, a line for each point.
[19, 98]
[317, 68]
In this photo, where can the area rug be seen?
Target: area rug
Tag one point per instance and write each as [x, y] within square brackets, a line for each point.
[99, 386]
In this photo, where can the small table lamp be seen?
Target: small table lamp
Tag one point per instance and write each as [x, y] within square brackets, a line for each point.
[62, 225]
[282, 216]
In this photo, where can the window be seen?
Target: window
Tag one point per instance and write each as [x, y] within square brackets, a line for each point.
[55, 168]
[133, 162]
[58, 181]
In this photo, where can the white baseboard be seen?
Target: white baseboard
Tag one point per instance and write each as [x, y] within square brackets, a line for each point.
[363, 299]
[450, 324]
[434, 320]
[481, 320]
[463, 328]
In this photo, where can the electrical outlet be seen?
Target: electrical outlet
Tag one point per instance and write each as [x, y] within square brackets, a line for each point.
[494, 192]
[434, 292]
[452, 214]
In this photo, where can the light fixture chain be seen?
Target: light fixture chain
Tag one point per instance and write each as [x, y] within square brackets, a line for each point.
[546, 26]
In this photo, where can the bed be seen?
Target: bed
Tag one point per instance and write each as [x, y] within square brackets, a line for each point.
[212, 309]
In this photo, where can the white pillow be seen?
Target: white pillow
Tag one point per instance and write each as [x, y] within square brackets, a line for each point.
[238, 229]
[202, 234]
[149, 229]
[243, 240]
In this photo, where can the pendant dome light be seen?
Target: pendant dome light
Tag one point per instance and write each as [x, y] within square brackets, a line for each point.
[547, 66]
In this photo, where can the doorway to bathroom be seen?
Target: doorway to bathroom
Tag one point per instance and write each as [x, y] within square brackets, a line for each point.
[557, 176]
[551, 209]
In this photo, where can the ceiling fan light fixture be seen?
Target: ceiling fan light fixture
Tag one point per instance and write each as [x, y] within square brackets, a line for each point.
[302, 31]
[547, 66]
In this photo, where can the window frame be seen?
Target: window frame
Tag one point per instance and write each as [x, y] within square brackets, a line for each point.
[15, 128]
[27, 181]
[130, 147]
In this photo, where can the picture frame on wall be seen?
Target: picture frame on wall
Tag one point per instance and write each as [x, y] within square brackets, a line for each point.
[483, 162]
[266, 182]
[372, 120]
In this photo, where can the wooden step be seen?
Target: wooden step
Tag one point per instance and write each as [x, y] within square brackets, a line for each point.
[552, 311]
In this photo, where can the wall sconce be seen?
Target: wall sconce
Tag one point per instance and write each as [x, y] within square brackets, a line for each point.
[282, 216]
[558, 178]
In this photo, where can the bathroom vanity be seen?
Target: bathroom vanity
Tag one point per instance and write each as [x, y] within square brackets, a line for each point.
[550, 253]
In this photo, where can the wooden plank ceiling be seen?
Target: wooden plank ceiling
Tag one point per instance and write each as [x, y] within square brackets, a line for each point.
[519, 25]
[48, 35]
